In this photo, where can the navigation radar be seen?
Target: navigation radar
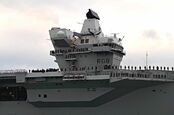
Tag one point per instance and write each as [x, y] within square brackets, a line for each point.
[92, 15]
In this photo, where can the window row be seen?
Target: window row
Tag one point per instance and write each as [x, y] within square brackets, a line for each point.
[70, 50]
[112, 45]
[44, 95]
[84, 41]
[103, 61]
[137, 75]
[79, 69]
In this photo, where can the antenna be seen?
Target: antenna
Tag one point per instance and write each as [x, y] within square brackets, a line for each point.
[146, 59]
[115, 34]
[122, 38]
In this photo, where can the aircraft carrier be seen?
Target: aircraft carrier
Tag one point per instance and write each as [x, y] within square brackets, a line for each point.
[89, 81]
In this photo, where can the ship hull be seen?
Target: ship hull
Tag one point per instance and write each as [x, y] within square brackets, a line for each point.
[156, 100]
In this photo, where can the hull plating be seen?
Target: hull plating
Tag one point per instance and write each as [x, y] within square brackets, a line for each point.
[156, 100]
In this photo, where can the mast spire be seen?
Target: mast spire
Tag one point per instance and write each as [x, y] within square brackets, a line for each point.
[146, 60]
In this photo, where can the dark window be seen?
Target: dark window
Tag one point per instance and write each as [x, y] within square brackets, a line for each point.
[45, 95]
[103, 60]
[95, 67]
[98, 61]
[73, 63]
[105, 67]
[82, 41]
[66, 56]
[87, 40]
[105, 44]
[95, 45]
[39, 95]
[107, 60]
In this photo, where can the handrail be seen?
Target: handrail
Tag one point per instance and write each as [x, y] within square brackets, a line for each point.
[13, 71]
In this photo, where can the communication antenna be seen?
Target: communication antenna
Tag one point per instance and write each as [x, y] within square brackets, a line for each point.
[146, 59]
[122, 38]
[115, 34]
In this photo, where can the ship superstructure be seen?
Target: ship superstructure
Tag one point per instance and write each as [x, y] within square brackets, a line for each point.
[88, 50]
[89, 80]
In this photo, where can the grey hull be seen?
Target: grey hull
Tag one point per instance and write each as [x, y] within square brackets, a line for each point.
[156, 100]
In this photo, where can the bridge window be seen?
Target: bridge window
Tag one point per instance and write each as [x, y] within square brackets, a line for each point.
[82, 41]
[98, 61]
[107, 60]
[145, 76]
[86, 40]
[103, 61]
